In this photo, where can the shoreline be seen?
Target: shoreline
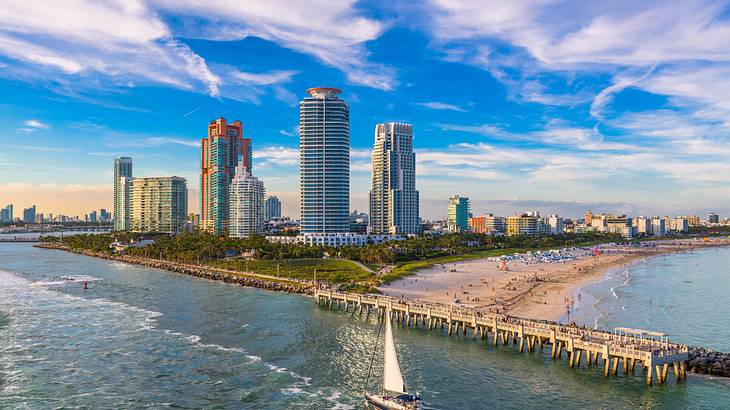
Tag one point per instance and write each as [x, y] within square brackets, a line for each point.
[534, 290]
[701, 360]
[239, 278]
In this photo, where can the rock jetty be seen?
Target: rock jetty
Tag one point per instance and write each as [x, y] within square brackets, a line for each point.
[243, 279]
[708, 361]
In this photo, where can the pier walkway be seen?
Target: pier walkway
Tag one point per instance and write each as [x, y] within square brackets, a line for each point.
[610, 349]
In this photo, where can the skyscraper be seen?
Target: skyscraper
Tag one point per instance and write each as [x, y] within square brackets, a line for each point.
[29, 215]
[122, 173]
[159, 204]
[6, 215]
[324, 152]
[246, 204]
[221, 151]
[458, 214]
[272, 208]
[713, 218]
[393, 197]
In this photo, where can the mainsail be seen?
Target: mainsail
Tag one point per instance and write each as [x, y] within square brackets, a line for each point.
[392, 379]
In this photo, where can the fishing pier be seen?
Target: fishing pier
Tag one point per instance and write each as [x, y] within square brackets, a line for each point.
[623, 347]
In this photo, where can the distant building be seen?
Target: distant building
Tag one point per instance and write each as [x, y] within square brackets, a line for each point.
[458, 214]
[620, 224]
[6, 214]
[159, 204]
[324, 169]
[29, 215]
[588, 219]
[246, 198]
[104, 216]
[642, 225]
[658, 227]
[93, 217]
[524, 224]
[394, 207]
[122, 176]
[694, 220]
[359, 222]
[272, 208]
[220, 153]
[680, 224]
[487, 224]
[556, 224]
[713, 218]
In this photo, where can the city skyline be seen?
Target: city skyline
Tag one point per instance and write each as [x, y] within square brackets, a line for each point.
[511, 106]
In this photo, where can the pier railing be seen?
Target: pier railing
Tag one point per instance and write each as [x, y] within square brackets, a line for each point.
[610, 348]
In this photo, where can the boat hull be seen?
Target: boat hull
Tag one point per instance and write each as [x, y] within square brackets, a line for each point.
[387, 403]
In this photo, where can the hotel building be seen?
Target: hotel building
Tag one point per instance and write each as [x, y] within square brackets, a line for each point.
[324, 170]
[220, 152]
[524, 224]
[487, 224]
[393, 197]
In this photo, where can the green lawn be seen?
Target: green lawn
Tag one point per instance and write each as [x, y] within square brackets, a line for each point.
[329, 270]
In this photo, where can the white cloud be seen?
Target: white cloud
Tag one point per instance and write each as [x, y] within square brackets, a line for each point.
[277, 156]
[273, 77]
[37, 124]
[333, 32]
[293, 132]
[677, 49]
[125, 42]
[435, 105]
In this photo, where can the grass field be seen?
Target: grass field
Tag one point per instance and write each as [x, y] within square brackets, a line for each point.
[329, 270]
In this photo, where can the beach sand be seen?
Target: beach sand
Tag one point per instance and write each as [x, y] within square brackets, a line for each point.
[530, 290]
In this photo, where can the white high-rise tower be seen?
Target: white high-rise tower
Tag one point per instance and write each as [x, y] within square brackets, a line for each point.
[393, 198]
[122, 175]
[246, 200]
[324, 151]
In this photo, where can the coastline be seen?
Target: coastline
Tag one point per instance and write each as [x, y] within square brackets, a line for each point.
[244, 279]
[701, 360]
[546, 291]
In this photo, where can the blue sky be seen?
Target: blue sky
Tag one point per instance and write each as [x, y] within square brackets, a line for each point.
[548, 105]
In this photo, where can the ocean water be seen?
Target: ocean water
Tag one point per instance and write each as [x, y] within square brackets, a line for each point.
[686, 295]
[146, 338]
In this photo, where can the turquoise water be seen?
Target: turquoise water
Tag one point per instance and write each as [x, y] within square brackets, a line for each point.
[145, 338]
[684, 294]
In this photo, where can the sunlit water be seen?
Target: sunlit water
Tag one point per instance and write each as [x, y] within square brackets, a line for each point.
[145, 338]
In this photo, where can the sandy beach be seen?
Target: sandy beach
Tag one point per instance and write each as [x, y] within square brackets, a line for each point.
[529, 289]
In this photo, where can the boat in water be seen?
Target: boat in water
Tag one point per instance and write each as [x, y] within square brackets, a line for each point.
[393, 395]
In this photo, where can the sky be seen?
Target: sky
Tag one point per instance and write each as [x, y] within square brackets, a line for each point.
[556, 106]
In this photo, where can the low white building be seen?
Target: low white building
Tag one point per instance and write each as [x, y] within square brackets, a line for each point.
[333, 239]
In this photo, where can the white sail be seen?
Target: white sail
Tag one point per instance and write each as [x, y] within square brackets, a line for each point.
[392, 379]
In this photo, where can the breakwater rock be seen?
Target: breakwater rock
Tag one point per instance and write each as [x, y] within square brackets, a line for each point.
[285, 285]
[708, 361]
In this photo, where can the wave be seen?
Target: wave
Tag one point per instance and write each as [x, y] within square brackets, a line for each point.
[624, 284]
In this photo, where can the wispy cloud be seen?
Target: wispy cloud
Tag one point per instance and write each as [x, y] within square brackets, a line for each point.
[293, 132]
[335, 33]
[435, 105]
[32, 126]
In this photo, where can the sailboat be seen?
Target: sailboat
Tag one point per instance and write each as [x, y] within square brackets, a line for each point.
[393, 382]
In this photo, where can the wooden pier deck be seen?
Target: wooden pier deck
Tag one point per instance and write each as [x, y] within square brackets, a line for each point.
[599, 347]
